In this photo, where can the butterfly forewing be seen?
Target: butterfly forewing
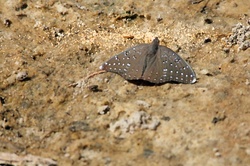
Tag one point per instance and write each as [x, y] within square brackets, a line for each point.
[128, 64]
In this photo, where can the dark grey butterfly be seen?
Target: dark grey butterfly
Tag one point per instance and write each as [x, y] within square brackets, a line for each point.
[152, 63]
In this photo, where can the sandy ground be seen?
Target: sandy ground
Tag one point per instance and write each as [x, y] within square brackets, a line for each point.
[47, 45]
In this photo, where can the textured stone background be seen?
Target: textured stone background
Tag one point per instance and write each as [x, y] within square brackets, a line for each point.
[47, 45]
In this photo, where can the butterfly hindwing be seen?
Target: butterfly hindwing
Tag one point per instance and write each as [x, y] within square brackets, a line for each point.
[176, 68]
[168, 66]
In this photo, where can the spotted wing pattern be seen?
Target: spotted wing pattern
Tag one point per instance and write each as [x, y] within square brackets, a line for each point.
[169, 66]
[150, 62]
[128, 64]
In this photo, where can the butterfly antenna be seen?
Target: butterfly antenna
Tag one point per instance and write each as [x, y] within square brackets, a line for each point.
[85, 80]
[95, 73]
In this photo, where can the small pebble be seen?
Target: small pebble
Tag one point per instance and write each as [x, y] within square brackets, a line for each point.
[226, 50]
[7, 22]
[166, 118]
[208, 21]
[248, 151]
[81, 7]
[67, 155]
[59, 33]
[94, 88]
[217, 154]
[143, 103]
[159, 18]
[61, 9]
[79, 126]
[207, 40]
[21, 76]
[205, 72]
[247, 82]
[218, 119]
[103, 110]
[215, 149]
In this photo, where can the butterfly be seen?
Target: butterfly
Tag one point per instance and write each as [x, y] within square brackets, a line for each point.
[150, 62]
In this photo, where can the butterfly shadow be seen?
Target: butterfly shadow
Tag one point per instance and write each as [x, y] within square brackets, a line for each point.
[146, 83]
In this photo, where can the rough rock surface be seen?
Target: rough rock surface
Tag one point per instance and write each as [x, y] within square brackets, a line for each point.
[58, 43]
